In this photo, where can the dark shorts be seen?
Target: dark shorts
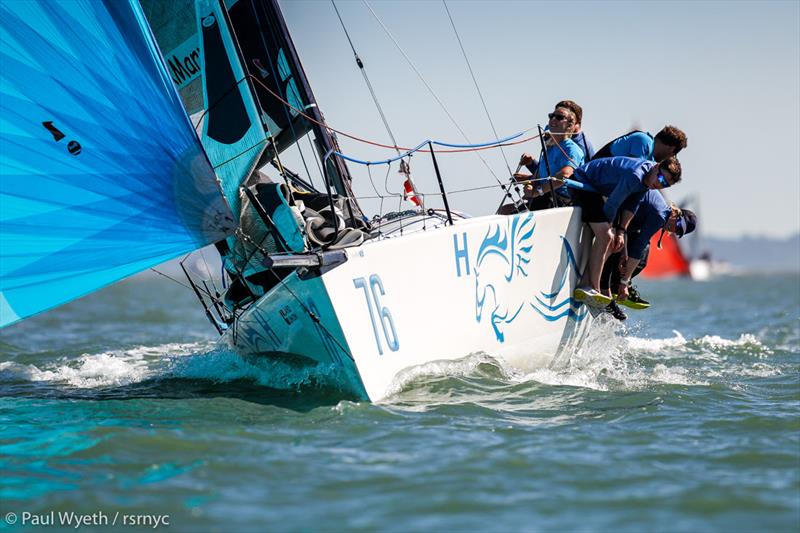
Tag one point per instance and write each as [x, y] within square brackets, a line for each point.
[591, 203]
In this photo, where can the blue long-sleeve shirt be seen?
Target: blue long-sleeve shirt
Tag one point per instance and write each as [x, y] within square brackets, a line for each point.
[651, 216]
[620, 179]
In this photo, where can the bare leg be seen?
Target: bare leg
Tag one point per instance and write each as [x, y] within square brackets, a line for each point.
[603, 235]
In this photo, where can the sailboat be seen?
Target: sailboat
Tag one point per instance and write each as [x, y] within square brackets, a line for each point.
[668, 261]
[676, 259]
[133, 133]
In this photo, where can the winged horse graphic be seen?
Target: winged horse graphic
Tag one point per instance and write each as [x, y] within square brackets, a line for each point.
[502, 262]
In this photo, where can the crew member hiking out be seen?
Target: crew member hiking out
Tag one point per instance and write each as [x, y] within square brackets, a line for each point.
[624, 181]
[653, 214]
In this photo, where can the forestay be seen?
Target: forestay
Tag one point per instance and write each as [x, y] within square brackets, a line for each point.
[102, 175]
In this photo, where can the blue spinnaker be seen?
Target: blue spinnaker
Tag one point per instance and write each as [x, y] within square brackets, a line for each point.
[101, 173]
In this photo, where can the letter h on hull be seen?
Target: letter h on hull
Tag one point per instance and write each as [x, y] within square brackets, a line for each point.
[461, 253]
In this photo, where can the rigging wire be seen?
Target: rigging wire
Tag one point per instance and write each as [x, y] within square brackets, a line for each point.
[467, 148]
[455, 191]
[379, 195]
[475, 81]
[363, 70]
[316, 159]
[274, 74]
[430, 90]
[405, 167]
[373, 143]
[175, 280]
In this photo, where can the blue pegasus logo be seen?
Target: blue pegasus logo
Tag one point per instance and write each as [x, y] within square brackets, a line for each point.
[507, 248]
[511, 247]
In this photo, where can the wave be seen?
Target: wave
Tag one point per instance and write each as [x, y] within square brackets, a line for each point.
[223, 365]
[612, 358]
[477, 365]
[746, 341]
[202, 361]
[105, 369]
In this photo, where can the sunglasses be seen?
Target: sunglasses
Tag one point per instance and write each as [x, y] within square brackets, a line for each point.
[663, 181]
[557, 116]
[679, 229]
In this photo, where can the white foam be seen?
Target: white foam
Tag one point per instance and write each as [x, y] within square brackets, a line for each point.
[655, 345]
[204, 360]
[607, 360]
[745, 340]
[586, 379]
[114, 368]
[760, 370]
[712, 348]
[445, 368]
[675, 376]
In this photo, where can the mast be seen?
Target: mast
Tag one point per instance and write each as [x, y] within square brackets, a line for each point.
[264, 63]
[272, 59]
[327, 142]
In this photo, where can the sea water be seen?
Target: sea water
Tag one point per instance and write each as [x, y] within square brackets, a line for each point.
[120, 411]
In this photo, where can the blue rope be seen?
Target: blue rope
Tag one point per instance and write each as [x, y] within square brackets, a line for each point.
[490, 143]
[568, 182]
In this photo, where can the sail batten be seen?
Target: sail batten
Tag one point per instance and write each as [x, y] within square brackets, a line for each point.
[101, 172]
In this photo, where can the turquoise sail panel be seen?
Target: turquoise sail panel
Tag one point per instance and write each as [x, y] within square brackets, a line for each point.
[232, 133]
[101, 172]
[210, 65]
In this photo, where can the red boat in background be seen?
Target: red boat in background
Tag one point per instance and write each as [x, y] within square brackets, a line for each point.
[667, 262]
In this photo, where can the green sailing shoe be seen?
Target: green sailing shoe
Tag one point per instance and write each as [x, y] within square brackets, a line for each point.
[591, 297]
[635, 300]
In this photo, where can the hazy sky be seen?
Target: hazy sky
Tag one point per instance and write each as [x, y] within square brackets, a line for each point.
[727, 73]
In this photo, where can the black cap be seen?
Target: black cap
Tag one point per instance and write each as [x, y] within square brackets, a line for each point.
[687, 224]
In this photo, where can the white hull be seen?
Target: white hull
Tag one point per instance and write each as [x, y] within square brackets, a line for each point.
[498, 285]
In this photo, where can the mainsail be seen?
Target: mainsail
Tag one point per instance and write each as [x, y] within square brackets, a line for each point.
[101, 173]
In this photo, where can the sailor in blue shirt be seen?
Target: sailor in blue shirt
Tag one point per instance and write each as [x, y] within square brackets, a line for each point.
[638, 144]
[641, 145]
[653, 214]
[563, 156]
[620, 179]
[562, 159]
[624, 181]
[578, 136]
